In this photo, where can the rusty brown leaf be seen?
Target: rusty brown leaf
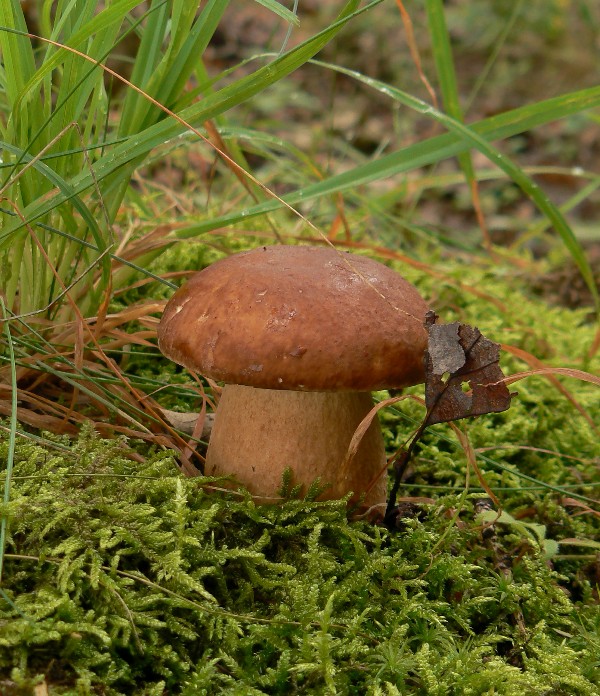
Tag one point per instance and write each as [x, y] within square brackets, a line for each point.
[462, 375]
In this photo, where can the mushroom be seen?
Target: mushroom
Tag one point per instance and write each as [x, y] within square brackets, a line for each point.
[301, 336]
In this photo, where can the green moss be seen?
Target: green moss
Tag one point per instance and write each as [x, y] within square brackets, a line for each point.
[123, 577]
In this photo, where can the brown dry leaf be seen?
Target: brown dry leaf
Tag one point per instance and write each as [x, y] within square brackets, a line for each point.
[38, 420]
[186, 422]
[462, 374]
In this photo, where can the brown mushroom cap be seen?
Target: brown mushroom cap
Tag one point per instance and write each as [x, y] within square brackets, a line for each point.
[300, 318]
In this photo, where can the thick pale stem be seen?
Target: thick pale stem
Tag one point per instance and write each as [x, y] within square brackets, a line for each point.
[258, 433]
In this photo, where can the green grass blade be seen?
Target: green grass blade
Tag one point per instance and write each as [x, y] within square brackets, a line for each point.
[525, 183]
[148, 58]
[418, 155]
[281, 11]
[192, 50]
[443, 58]
[15, 243]
[12, 434]
[484, 74]
[17, 52]
[57, 181]
[107, 17]
[444, 63]
[167, 78]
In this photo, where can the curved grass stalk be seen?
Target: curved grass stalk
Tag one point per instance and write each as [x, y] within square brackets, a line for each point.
[471, 137]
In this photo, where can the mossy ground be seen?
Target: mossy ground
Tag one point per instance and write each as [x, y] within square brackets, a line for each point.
[120, 576]
[123, 577]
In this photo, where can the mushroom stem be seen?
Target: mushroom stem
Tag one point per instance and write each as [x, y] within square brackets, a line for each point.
[258, 433]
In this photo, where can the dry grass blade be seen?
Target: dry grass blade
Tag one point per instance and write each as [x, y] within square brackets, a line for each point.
[414, 51]
[80, 372]
[359, 433]
[550, 372]
[583, 508]
[530, 448]
[566, 371]
[471, 456]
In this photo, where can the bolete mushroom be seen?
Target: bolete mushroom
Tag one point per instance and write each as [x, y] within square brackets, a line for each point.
[301, 336]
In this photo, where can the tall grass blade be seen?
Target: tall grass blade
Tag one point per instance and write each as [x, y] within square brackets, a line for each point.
[280, 10]
[17, 53]
[444, 63]
[12, 434]
[516, 173]
[110, 16]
